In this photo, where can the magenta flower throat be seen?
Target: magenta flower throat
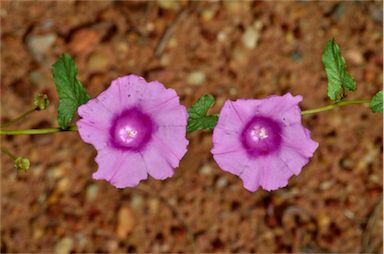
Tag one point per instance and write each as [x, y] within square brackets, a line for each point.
[131, 130]
[261, 136]
[138, 128]
[262, 141]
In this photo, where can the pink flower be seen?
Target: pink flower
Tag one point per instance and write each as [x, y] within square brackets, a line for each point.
[262, 141]
[137, 128]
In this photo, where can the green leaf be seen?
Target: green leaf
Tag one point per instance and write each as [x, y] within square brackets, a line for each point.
[71, 92]
[376, 103]
[339, 80]
[198, 118]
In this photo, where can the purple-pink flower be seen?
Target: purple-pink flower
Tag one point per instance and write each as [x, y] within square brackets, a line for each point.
[262, 141]
[137, 128]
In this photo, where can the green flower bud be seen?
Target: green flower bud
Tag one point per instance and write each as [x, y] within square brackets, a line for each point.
[41, 101]
[22, 164]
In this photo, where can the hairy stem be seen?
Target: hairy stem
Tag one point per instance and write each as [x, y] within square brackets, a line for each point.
[36, 131]
[333, 106]
[18, 118]
[74, 128]
[7, 152]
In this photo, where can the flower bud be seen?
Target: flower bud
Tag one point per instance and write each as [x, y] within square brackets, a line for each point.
[41, 101]
[22, 164]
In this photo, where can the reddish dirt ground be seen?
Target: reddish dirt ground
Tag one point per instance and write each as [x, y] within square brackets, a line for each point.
[231, 50]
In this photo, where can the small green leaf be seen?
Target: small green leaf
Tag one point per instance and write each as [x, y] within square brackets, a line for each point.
[376, 103]
[339, 80]
[71, 92]
[198, 118]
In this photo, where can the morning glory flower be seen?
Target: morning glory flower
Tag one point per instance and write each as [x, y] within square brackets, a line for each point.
[138, 128]
[262, 141]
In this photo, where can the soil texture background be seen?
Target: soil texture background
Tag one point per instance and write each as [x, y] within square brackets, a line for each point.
[231, 49]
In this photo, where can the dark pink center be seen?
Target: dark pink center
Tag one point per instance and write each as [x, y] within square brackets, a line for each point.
[261, 136]
[131, 130]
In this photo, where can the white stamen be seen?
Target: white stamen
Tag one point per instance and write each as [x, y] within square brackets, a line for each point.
[258, 133]
[132, 133]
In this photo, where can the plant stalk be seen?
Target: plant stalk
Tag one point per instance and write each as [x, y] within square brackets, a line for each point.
[333, 106]
[17, 118]
[7, 152]
[36, 131]
[74, 128]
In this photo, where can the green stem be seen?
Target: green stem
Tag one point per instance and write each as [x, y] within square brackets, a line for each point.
[7, 152]
[36, 131]
[17, 118]
[74, 128]
[332, 106]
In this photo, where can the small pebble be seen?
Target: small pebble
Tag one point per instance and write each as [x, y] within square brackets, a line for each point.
[355, 56]
[63, 185]
[325, 185]
[239, 54]
[57, 171]
[112, 245]
[91, 192]
[98, 61]
[39, 79]
[168, 4]
[81, 240]
[64, 246]
[37, 233]
[196, 78]
[250, 38]
[83, 40]
[39, 45]
[221, 182]
[236, 7]
[125, 222]
[207, 15]
[349, 214]
[154, 205]
[323, 221]
[222, 36]
[206, 170]
[136, 201]
[165, 59]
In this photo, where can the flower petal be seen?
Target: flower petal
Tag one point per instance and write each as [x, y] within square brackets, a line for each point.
[170, 113]
[121, 169]
[129, 171]
[230, 119]
[247, 108]
[282, 108]
[298, 138]
[111, 98]
[158, 165]
[154, 102]
[95, 112]
[134, 90]
[233, 162]
[107, 160]
[252, 175]
[225, 141]
[173, 142]
[93, 134]
[295, 161]
[275, 174]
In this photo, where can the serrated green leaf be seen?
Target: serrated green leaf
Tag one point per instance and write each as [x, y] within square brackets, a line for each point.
[71, 92]
[376, 103]
[338, 77]
[198, 118]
